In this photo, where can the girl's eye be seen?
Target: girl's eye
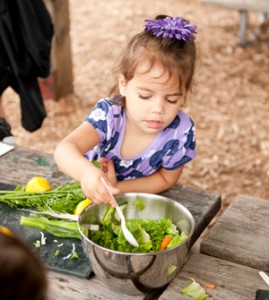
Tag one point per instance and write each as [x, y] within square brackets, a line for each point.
[144, 97]
[172, 101]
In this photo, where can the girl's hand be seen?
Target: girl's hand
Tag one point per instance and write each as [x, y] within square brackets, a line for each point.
[107, 166]
[94, 189]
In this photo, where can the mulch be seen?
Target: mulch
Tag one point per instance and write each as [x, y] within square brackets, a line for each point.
[229, 101]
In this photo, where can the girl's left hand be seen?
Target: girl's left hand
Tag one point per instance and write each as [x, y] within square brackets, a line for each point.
[107, 166]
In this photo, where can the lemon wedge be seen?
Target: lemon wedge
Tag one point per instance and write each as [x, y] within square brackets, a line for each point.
[37, 184]
[81, 205]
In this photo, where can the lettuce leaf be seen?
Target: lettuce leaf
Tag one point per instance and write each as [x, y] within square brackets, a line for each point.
[148, 233]
[195, 290]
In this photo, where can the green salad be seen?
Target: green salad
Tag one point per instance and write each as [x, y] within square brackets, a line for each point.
[151, 235]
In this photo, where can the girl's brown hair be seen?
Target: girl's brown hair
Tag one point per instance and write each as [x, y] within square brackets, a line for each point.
[22, 275]
[177, 57]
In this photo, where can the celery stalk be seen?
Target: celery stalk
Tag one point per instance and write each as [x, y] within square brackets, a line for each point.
[60, 228]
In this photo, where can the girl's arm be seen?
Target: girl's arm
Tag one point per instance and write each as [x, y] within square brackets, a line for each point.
[69, 157]
[158, 182]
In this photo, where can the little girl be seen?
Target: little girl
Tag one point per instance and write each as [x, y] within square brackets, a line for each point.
[140, 135]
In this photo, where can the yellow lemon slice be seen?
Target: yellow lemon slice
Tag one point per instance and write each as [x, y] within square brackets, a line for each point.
[82, 204]
[37, 184]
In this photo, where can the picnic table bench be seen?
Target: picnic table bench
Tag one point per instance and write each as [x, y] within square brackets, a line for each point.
[243, 6]
[229, 256]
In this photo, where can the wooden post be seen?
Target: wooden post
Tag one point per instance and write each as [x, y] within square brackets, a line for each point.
[62, 71]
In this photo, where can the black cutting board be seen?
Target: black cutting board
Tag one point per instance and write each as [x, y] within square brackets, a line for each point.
[79, 267]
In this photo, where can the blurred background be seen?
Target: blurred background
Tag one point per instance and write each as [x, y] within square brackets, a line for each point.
[229, 101]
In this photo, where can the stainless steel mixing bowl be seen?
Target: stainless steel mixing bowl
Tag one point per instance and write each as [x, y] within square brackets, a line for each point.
[138, 273]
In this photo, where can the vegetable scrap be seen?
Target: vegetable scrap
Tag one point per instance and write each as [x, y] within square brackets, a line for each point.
[195, 290]
[43, 238]
[37, 244]
[73, 254]
[210, 286]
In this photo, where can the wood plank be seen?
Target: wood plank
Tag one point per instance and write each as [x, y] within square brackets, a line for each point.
[232, 281]
[66, 287]
[241, 235]
[21, 164]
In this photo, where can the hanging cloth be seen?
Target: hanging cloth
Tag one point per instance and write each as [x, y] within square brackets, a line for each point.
[26, 33]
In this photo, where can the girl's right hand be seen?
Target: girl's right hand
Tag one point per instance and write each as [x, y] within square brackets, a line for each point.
[94, 188]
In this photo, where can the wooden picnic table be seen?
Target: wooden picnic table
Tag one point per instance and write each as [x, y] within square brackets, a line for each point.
[213, 259]
[231, 254]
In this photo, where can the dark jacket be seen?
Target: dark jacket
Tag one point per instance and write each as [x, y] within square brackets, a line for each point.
[26, 33]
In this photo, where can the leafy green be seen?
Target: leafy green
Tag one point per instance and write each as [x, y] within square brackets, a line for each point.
[63, 198]
[177, 239]
[195, 290]
[148, 233]
[139, 203]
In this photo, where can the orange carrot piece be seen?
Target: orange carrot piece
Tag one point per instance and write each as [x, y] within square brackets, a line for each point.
[166, 240]
[210, 286]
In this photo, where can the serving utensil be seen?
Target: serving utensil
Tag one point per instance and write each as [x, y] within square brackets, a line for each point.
[127, 234]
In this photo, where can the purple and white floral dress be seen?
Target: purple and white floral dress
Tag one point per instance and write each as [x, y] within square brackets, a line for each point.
[172, 148]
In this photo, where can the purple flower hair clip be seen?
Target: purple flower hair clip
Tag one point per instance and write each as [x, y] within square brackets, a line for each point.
[171, 28]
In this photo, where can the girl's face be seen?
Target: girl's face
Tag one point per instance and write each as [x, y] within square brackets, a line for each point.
[153, 99]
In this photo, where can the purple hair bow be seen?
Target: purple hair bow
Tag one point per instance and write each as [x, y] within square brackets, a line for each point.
[171, 28]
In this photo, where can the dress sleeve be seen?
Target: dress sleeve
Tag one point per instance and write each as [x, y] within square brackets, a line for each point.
[182, 147]
[98, 118]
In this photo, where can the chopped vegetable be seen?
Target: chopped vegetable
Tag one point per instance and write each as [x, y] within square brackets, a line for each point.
[37, 244]
[148, 233]
[56, 253]
[139, 203]
[195, 290]
[210, 286]
[177, 239]
[166, 240]
[66, 229]
[43, 238]
[68, 256]
[73, 254]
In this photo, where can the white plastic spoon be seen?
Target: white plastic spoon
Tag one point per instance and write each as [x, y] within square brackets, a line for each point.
[127, 234]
